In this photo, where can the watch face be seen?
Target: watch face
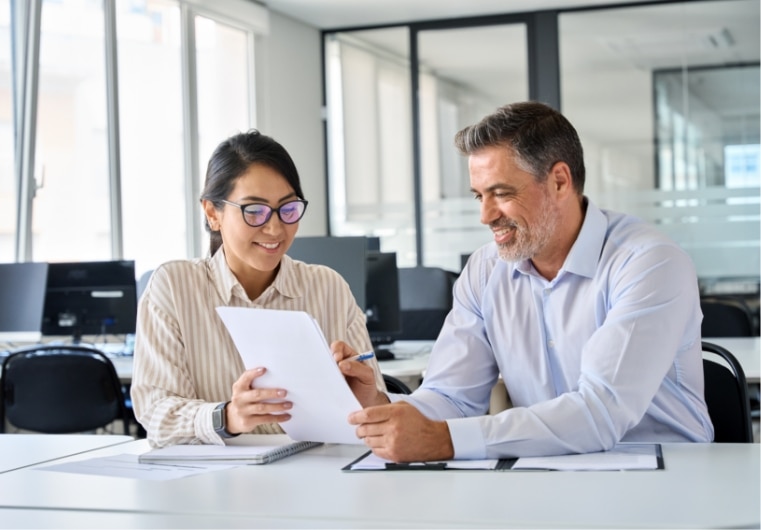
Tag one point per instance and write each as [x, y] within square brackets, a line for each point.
[217, 418]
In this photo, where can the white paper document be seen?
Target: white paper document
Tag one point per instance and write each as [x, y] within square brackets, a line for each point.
[293, 348]
[621, 457]
[128, 466]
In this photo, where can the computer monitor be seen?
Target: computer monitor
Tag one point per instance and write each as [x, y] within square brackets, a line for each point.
[372, 277]
[373, 243]
[22, 297]
[90, 298]
[345, 255]
[382, 304]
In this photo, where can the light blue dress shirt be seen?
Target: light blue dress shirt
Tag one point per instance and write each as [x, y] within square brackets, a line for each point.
[607, 351]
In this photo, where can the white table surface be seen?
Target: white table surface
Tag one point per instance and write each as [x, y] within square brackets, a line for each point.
[702, 486]
[748, 352]
[20, 450]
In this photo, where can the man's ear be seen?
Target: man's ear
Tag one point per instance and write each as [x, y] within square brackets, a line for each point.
[560, 180]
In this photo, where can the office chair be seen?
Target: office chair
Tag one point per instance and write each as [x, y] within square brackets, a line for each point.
[726, 317]
[425, 298]
[395, 385]
[726, 394]
[60, 389]
[142, 282]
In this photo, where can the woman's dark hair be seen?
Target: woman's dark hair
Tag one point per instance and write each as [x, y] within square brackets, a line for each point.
[232, 158]
[538, 135]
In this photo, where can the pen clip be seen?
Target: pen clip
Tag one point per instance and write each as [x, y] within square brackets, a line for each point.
[403, 466]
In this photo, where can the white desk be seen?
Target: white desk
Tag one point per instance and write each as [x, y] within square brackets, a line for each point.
[702, 486]
[412, 358]
[21, 450]
[748, 352]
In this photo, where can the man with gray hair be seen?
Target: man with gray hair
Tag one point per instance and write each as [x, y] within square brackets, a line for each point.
[591, 317]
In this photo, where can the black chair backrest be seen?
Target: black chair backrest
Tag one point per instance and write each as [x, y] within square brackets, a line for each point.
[726, 317]
[726, 394]
[142, 282]
[425, 298]
[395, 385]
[60, 389]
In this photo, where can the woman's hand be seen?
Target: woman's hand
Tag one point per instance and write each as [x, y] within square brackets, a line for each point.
[251, 406]
[359, 376]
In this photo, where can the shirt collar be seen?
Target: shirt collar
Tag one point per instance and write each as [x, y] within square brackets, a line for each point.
[286, 282]
[585, 252]
[224, 280]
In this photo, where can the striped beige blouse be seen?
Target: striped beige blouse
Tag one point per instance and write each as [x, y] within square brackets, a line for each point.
[185, 363]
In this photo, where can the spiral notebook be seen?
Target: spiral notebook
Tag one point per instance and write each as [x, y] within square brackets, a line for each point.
[243, 450]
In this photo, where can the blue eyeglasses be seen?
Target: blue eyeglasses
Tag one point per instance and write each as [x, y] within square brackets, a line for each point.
[257, 214]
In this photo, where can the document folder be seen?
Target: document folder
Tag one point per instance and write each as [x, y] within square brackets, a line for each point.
[623, 457]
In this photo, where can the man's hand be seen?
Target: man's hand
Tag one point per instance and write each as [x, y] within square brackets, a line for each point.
[360, 376]
[399, 432]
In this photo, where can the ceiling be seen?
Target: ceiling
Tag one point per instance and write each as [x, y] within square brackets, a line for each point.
[598, 44]
[331, 14]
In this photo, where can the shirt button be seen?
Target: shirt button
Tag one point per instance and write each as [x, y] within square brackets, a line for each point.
[551, 343]
[547, 290]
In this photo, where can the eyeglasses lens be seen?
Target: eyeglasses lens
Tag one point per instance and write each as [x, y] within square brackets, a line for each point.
[257, 214]
[291, 212]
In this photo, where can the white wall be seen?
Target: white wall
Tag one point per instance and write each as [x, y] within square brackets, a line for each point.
[289, 107]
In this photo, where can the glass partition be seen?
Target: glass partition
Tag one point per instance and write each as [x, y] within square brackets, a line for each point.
[464, 74]
[666, 101]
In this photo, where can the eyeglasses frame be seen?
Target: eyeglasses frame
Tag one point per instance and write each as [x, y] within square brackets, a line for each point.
[243, 207]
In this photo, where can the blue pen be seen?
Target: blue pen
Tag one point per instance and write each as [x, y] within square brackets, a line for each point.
[362, 357]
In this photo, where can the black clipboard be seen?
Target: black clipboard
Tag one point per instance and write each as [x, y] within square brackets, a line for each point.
[506, 464]
[503, 464]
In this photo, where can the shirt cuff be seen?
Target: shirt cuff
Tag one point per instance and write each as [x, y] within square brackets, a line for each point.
[467, 438]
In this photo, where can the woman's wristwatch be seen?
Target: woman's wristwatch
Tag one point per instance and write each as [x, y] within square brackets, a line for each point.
[219, 421]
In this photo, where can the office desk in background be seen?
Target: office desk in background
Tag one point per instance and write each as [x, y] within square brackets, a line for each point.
[702, 486]
[412, 357]
[747, 350]
[409, 365]
[21, 450]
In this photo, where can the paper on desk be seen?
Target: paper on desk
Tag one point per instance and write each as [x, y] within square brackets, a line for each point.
[128, 466]
[621, 457]
[292, 347]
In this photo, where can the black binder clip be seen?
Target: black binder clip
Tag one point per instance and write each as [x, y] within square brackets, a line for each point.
[410, 466]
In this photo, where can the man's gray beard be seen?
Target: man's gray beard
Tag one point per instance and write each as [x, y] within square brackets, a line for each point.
[525, 244]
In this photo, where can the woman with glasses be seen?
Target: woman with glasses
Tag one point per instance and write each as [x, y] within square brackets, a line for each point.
[189, 383]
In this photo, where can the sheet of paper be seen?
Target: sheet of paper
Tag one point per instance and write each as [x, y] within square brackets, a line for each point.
[292, 347]
[621, 457]
[127, 466]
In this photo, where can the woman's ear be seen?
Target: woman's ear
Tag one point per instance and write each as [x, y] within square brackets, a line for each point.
[212, 215]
